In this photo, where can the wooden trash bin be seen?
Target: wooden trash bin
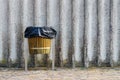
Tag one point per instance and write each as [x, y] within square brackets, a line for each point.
[39, 41]
[39, 45]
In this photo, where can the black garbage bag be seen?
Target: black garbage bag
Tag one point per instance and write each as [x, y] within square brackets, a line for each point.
[46, 32]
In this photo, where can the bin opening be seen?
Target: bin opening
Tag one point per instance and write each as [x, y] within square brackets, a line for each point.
[45, 32]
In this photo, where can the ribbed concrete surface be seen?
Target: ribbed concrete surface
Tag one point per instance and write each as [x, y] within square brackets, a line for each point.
[88, 31]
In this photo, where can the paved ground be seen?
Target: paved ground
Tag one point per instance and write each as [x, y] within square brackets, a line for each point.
[62, 74]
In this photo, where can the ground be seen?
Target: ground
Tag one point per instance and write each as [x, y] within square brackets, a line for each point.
[62, 74]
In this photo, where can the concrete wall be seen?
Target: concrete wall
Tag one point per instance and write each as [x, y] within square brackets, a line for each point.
[88, 31]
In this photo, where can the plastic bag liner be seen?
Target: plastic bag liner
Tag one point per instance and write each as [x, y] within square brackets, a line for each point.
[45, 32]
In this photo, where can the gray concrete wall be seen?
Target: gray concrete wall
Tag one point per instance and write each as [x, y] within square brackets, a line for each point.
[88, 31]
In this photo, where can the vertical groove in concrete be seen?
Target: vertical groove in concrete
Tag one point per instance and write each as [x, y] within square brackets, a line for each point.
[78, 30]
[104, 31]
[65, 19]
[115, 21]
[14, 23]
[40, 12]
[3, 31]
[91, 31]
[27, 20]
[19, 35]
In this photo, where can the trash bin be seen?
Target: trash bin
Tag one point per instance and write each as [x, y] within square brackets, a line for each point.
[39, 45]
[39, 39]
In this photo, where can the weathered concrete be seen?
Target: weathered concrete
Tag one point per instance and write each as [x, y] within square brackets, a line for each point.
[104, 31]
[3, 31]
[78, 30]
[14, 23]
[66, 23]
[115, 43]
[88, 31]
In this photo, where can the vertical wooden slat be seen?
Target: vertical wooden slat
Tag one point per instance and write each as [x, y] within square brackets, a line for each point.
[40, 14]
[53, 21]
[104, 31]
[65, 19]
[27, 20]
[3, 31]
[91, 32]
[115, 21]
[14, 23]
[78, 30]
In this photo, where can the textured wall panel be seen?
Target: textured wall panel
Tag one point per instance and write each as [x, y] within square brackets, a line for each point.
[3, 31]
[104, 31]
[66, 20]
[78, 30]
[88, 31]
[115, 21]
[14, 23]
[91, 31]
